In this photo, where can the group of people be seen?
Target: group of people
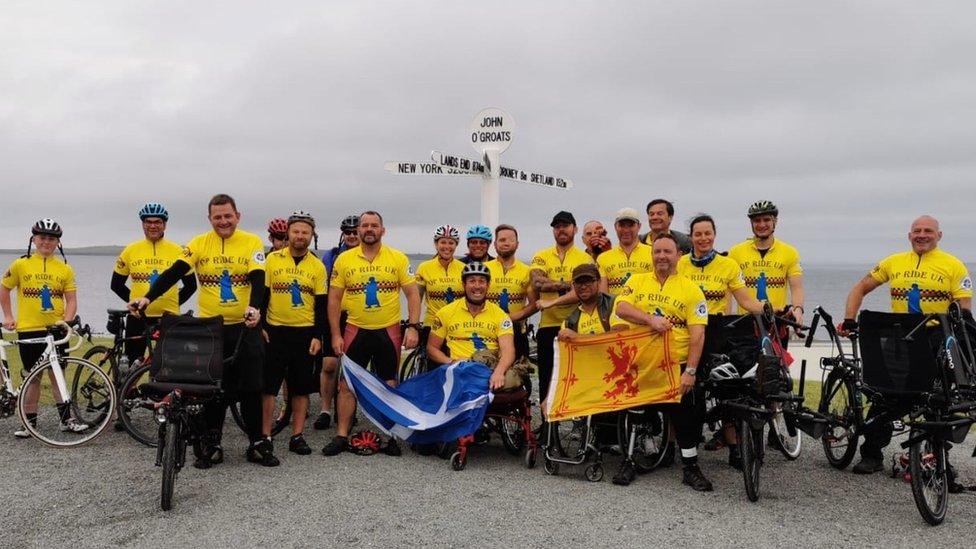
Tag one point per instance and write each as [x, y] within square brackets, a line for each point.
[295, 313]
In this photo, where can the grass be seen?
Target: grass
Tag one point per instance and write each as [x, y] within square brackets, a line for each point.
[16, 368]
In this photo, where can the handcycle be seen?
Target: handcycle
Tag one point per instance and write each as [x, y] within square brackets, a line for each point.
[77, 416]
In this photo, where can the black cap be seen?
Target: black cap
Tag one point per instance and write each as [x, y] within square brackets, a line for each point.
[563, 217]
[586, 270]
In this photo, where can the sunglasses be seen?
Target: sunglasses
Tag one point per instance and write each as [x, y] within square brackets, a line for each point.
[279, 236]
[584, 280]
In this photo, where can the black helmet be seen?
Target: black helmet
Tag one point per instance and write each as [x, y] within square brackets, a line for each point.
[475, 268]
[763, 207]
[349, 222]
[48, 227]
[300, 216]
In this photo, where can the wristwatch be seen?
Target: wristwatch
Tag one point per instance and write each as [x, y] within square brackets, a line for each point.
[691, 371]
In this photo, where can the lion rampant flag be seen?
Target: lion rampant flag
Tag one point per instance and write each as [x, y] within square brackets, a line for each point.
[612, 371]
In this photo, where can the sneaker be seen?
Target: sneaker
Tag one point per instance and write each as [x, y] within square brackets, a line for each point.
[324, 421]
[298, 445]
[625, 474]
[735, 458]
[22, 432]
[72, 425]
[392, 448]
[209, 457]
[262, 452]
[336, 447]
[715, 443]
[693, 476]
[868, 466]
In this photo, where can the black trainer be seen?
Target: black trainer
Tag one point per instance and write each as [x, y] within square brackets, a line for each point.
[392, 448]
[625, 474]
[262, 452]
[868, 466]
[336, 447]
[208, 457]
[298, 445]
[324, 421]
[735, 457]
[692, 476]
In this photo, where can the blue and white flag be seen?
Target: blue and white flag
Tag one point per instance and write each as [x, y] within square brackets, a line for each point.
[439, 406]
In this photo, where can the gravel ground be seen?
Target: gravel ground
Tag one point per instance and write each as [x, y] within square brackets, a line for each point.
[107, 494]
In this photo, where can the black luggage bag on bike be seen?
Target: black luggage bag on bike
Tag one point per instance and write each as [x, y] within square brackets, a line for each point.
[189, 351]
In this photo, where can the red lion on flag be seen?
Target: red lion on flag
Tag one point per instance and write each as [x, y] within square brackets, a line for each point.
[623, 377]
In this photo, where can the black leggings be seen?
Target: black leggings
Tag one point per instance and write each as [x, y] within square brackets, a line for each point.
[545, 338]
[242, 381]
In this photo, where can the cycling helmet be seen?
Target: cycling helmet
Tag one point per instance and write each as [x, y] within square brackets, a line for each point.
[763, 207]
[364, 443]
[475, 268]
[479, 231]
[154, 209]
[278, 226]
[349, 222]
[47, 226]
[304, 217]
[723, 372]
[446, 231]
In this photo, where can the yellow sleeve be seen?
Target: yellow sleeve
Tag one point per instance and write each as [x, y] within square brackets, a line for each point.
[256, 253]
[882, 271]
[69, 281]
[11, 278]
[626, 296]
[695, 306]
[505, 326]
[962, 283]
[122, 263]
[539, 262]
[419, 277]
[794, 268]
[440, 324]
[191, 252]
[319, 280]
[406, 277]
[338, 279]
[735, 279]
[601, 265]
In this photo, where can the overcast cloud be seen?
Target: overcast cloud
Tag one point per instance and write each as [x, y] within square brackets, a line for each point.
[853, 117]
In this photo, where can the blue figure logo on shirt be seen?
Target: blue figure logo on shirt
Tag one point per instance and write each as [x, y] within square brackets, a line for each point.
[761, 294]
[46, 304]
[449, 296]
[372, 293]
[479, 343]
[503, 300]
[915, 299]
[226, 288]
[296, 294]
[152, 277]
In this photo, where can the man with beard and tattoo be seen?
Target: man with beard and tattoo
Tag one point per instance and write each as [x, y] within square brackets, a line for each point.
[366, 283]
[511, 285]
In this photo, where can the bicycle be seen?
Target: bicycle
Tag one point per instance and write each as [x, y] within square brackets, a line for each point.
[416, 362]
[75, 417]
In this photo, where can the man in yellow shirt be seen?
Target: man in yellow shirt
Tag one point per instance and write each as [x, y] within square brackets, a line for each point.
[229, 265]
[551, 272]
[366, 284]
[473, 324]
[511, 285]
[46, 294]
[666, 301]
[630, 257]
[142, 262]
[922, 280]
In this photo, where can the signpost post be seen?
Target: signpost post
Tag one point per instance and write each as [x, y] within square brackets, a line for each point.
[491, 133]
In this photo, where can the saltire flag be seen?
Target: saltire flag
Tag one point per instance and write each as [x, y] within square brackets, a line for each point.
[612, 371]
[438, 406]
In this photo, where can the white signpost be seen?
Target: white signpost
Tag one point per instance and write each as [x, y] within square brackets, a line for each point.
[491, 133]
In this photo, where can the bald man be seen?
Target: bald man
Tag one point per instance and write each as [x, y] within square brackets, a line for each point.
[595, 238]
[923, 280]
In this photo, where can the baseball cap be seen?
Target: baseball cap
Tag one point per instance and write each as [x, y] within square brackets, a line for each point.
[627, 214]
[586, 270]
[563, 217]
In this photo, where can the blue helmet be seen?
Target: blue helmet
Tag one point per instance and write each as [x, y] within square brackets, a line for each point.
[154, 209]
[479, 231]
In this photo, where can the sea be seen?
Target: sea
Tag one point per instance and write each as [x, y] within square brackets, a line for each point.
[825, 285]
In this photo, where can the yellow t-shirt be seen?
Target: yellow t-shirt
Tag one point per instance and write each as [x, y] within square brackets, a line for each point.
[923, 284]
[222, 266]
[441, 286]
[372, 288]
[41, 284]
[617, 266]
[589, 323]
[767, 276]
[293, 288]
[558, 270]
[509, 288]
[466, 333]
[717, 280]
[678, 299]
[143, 261]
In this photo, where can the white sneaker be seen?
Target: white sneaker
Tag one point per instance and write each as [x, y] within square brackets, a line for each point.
[22, 432]
[74, 426]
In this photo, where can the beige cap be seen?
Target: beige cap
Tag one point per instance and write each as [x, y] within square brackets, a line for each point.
[627, 214]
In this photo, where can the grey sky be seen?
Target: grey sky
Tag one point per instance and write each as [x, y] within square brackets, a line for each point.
[853, 117]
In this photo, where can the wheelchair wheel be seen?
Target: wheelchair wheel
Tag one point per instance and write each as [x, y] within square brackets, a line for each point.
[651, 430]
[139, 422]
[550, 466]
[930, 483]
[171, 442]
[838, 404]
[751, 447]
[594, 473]
[458, 462]
[529, 458]
[785, 436]
[512, 434]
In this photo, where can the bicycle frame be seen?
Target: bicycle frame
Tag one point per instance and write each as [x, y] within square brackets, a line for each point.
[50, 354]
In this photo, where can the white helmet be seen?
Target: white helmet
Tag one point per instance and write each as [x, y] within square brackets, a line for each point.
[446, 231]
[723, 372]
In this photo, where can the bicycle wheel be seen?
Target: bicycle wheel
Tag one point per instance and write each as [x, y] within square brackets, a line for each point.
[782, 425]
[930, 485]
[512, 434]
[410, 366]
[139, 420]
[65, 422]
[838, 404]
[282, 415]
[750, 446]
[651, 430]
[235, 412]
[171, 443]
[104, 357]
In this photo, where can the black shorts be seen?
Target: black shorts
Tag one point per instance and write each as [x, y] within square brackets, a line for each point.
[327, 337]
[246, 372]
[378, 350]
[31, 353]
[287, 358]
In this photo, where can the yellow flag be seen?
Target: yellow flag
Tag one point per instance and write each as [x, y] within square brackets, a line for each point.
[612, 371]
